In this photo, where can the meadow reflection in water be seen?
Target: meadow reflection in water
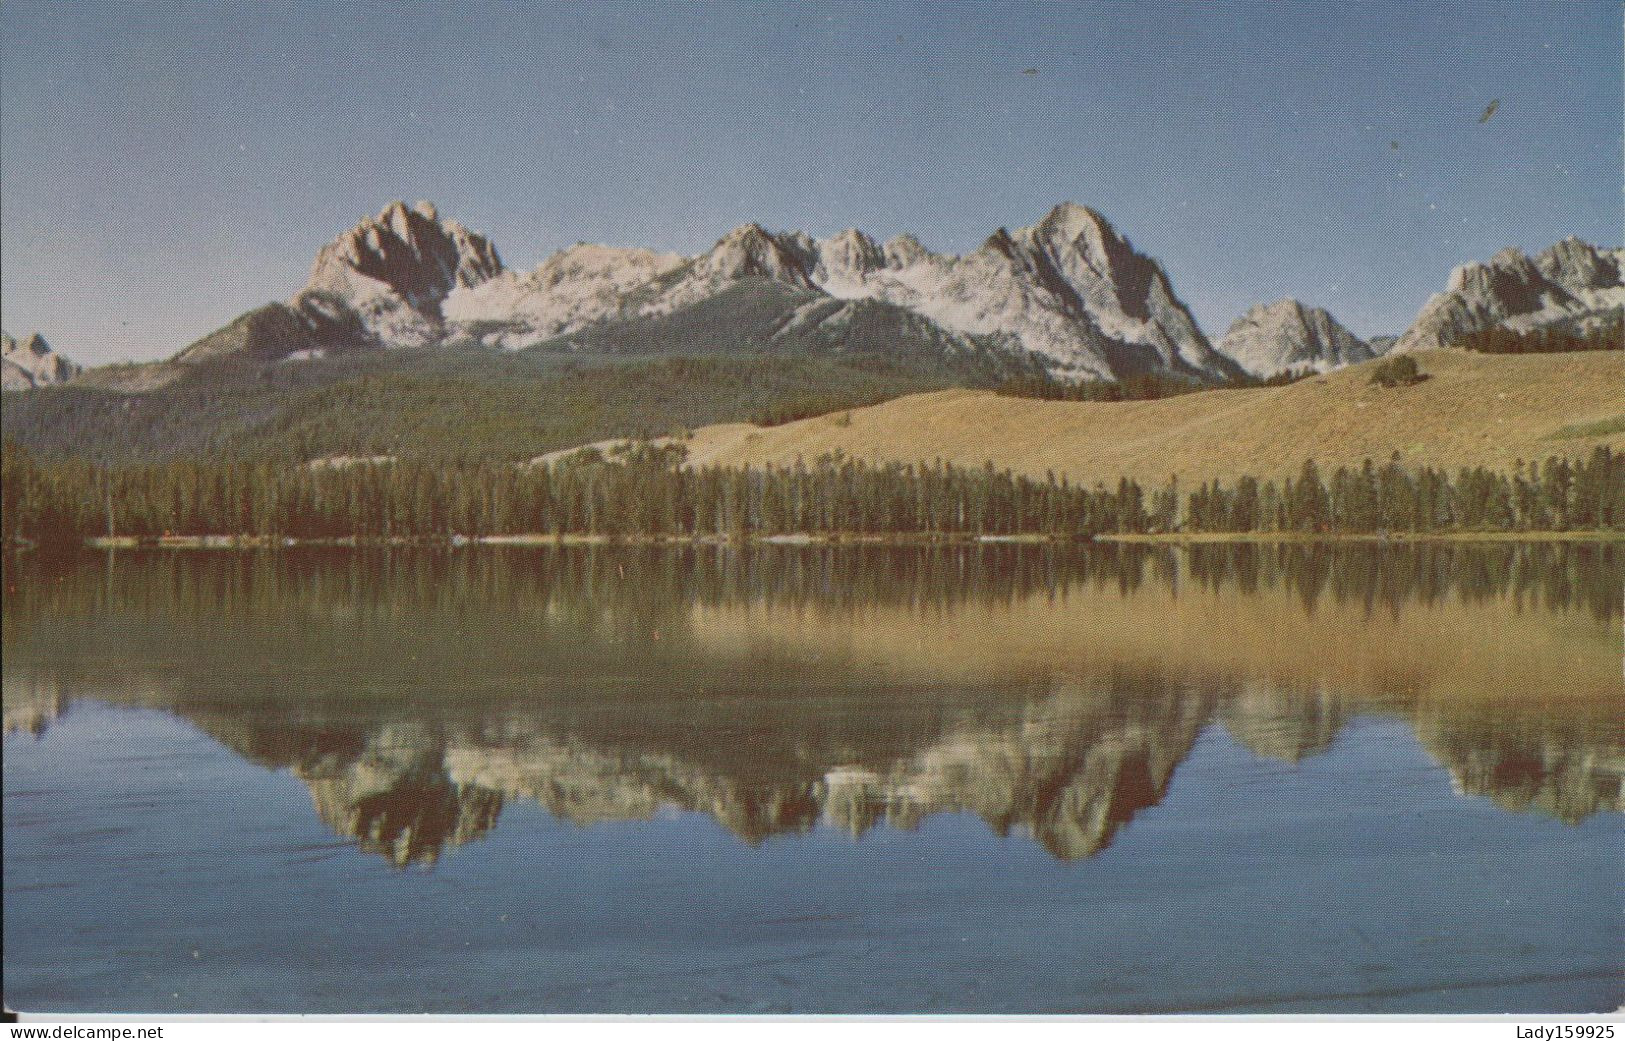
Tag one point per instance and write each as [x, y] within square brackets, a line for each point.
[1051, 692]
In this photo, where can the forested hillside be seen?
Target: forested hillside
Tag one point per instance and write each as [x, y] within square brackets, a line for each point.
[455, 404]
[756, 351]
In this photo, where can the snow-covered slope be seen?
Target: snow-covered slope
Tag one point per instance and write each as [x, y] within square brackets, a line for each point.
[31, 363]
[1573, 286]
[571, 289]
[1273, 338]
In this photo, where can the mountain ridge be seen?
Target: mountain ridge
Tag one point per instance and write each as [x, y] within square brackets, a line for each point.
[1068, 290]
[1069, 293]
[1571, 286]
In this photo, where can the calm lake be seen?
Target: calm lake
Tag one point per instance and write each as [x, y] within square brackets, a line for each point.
[1000, 779]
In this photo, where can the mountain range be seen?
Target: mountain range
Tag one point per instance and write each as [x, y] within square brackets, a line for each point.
[1069, 293]
[413, 337]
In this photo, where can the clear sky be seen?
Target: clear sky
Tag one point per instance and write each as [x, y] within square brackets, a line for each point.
[165, 166]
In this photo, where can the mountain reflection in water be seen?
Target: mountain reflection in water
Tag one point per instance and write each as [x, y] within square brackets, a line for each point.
[1051, 692]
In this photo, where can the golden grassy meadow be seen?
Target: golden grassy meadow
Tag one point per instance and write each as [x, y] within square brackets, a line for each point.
[1472, 410]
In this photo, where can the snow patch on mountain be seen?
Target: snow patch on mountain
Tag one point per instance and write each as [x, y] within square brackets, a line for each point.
[573, 288]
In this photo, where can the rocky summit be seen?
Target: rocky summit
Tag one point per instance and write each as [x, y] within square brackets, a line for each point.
[381, 284]
[1284, 336]
[31, 363]
[1572, 287]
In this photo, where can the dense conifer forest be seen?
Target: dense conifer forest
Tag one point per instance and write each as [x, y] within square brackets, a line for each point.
[458, 405]
[1501, 340]
[1145, 387]
[644, 490]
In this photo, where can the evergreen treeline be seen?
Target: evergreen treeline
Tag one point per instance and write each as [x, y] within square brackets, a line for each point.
[644, 490]
[1145, 387]
[1557, 495]
[814, 405]
[1501, 340]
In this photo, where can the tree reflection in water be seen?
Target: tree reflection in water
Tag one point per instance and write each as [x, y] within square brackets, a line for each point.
[1051, 692]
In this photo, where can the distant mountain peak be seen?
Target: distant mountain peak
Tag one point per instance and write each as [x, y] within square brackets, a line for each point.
[903, 250]
[396, 270]
[1573, 286]
[748, 251]
[1000, 242]
[1074, 223]
[30, 363]
[848, 253]
[1274, 338]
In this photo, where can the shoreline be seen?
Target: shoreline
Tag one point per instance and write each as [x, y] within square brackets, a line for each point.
[1176, 538]
[261, 542]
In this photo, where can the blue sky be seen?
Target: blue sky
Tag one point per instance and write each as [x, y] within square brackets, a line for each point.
[165, 166]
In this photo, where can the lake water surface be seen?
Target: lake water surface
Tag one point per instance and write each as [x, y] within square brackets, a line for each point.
[801, 779]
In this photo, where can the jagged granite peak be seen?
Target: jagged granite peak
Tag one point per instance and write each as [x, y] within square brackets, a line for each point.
[749, 251]
[417, 255]
[1579, 267]
[1069, 289]
[1274, 338]
[999, 243]
[394, 271]
[1127, 291]
[1573, 286]
[849, 253]
[30, 363]
[904, 250]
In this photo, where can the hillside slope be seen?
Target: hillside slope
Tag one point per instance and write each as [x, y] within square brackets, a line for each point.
[457, 403]
[1472, 410]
